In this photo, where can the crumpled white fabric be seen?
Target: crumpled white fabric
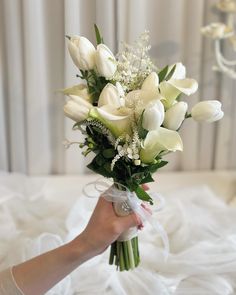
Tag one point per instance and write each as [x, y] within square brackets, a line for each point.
[201, 230]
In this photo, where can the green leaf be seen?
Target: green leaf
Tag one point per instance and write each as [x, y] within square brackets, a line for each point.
[142, 132]
[163, 73]
[170, 73]
[109, 153]
[98, 35]
[147, 179]
[99, 160]
[142, 195]
[153, 168]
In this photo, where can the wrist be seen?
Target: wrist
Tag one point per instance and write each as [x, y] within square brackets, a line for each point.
[79, 249]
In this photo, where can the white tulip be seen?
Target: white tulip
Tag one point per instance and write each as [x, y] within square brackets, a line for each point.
[175, 115]
[110, 95]
[151, 82]
[157, 141]
[82, 52]
[105, 61]
[208, 111]
[179, 72]
[153, 115]
[77, 108]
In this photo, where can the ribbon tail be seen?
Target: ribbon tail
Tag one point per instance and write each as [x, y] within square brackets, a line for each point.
[164, 237]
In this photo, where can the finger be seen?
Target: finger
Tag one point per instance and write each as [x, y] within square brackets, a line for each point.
[130, 220]
[145, 187]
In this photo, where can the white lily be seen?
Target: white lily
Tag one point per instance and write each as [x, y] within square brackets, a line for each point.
[113, 119]
[172, 88]
[82, 52]
[111, 111]
[175, 115]
[207, 111]
[157, 141]
[153, 115]
[105, 61]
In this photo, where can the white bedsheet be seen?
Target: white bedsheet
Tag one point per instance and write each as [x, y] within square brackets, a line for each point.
[38, 214]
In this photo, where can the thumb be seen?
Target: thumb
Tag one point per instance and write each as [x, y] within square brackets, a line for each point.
[130, 220]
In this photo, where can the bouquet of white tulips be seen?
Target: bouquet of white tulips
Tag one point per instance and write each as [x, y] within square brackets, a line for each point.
[130, 113]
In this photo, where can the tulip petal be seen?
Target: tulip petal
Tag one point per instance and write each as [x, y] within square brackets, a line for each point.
[82, 52]
[208, 111]
[160, 140]
[153, 115]
[175, 115]
[105, 61]
[109, 95]
[151, 82]
[75, 111]
[81, 101]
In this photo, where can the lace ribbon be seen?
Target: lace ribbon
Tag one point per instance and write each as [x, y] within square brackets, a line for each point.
[124, 202]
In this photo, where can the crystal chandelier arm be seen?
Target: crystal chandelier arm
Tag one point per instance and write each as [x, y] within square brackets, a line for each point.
[221, 61]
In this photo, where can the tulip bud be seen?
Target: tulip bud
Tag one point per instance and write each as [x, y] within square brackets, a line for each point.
[153, 115]
[208, 111]
[77, 108]
[175, 115]
[151, 82]
[109, 95]
[105, 61]
[82, 52]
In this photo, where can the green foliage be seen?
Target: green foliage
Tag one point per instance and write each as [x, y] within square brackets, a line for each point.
[99, 37]
[168, 77]
[124, 171]
[162, 74]
[142, 132]
[95, 84]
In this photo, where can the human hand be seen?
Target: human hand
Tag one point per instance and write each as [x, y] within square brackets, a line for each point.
[104, 227]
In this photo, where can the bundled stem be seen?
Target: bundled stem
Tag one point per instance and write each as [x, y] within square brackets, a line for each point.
[125, 254]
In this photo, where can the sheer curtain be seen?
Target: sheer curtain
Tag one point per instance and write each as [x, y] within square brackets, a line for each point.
[34, 64]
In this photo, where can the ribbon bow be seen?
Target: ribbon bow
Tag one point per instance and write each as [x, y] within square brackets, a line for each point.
[125, 202]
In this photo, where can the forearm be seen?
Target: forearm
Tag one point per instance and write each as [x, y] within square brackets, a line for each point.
[38, 275]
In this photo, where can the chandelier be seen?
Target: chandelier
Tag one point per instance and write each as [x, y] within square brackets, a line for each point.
[223, 32]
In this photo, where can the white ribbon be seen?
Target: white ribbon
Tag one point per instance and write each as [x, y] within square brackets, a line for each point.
[124, 202]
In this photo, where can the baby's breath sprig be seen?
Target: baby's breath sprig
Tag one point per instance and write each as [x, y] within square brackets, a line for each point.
[134, 64]
[129, 149]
